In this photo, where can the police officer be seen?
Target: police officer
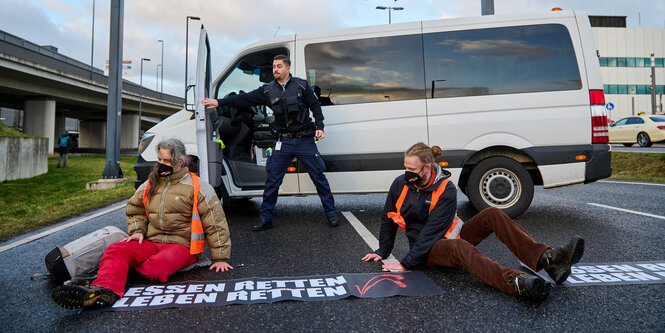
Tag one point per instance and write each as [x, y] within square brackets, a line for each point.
[290, 99]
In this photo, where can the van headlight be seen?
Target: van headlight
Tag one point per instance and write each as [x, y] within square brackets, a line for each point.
[145, 142]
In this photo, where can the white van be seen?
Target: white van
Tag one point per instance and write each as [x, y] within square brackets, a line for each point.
[514, 101]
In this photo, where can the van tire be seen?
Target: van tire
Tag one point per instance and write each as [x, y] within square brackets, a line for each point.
[500, 182]
[644, 140]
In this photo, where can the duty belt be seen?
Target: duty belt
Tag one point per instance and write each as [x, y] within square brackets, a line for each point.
[293, 135]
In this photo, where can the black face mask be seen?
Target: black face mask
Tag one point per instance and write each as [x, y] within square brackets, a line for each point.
[412, 177]
[164, 170]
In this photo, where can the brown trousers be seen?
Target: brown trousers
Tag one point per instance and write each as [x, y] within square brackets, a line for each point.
[463, 253]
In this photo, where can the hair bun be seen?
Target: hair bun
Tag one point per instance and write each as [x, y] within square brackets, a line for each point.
[436, 151]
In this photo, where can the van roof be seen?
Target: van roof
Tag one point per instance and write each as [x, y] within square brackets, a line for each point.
[452, 22]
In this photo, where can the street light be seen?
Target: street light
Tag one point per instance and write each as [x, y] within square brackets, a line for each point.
[141, 95]
[157, 78]
[390, 9]
[187, 43]
[92, 43]
[161, 92]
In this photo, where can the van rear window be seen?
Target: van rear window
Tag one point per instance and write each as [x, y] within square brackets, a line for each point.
[505, 60]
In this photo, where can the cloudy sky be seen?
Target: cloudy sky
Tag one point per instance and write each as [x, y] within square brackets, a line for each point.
[232, 24]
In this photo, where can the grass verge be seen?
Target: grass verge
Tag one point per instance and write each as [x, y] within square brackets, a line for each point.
[638, 167]
[29, 203]
[8, 131]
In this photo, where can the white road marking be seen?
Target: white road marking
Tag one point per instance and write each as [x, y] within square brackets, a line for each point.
[632, 183]
[367, 236]
[56, 229]
[627, 210]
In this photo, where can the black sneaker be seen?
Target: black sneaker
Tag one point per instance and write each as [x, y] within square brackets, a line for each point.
[76, 297]
[332, 220]
[557, 262]
[530, 286]
[262, 225]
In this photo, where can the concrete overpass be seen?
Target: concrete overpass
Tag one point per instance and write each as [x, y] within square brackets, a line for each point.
[49, 86]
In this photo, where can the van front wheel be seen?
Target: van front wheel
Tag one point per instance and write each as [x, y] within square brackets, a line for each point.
[500, 182]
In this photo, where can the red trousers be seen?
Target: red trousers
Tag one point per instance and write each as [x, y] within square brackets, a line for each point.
[153, 260]
[463, 253]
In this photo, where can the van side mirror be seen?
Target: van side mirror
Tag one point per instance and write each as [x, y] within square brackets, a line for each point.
[190, 98]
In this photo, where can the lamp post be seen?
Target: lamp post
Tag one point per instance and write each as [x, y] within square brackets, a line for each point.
[161, 64]
[141, 95]
[390, 9]
[157, 78]
[187, 43]
[92, 43]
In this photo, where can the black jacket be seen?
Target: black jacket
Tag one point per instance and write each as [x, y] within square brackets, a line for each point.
[261, 96]
[422, 229]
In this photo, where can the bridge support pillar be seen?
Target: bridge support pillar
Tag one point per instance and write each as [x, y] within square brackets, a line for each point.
[92, 134]
[39, 119]
[129, 138]
[59, 124]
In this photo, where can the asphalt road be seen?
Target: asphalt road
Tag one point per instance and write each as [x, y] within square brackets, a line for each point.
[301, 244]
[657, 148]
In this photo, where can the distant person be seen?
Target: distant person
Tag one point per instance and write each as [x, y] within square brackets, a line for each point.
[64, 144]
[168, 230]
[323, 100]
[291, 100]
[423, 203]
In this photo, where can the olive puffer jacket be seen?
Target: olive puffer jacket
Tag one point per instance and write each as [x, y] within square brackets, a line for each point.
[170, 210]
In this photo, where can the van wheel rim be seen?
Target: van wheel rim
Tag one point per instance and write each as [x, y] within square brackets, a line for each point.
[500, 188]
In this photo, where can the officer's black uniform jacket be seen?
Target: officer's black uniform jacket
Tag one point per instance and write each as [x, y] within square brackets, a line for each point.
[422, 229]
[301, 99]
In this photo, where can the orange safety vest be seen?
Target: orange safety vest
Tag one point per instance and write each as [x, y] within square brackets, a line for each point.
[455, 227]
[197, 242]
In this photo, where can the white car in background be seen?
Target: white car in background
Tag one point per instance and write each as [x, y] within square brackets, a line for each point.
[643, 130]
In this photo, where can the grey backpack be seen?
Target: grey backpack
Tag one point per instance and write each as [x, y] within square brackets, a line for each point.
[80, 258]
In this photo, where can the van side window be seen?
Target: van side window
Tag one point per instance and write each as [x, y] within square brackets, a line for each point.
[367, 70]
[494, 61]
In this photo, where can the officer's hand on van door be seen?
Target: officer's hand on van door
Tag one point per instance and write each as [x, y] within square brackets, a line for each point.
[137, 237]
[210, 103]
[372, 257]
[319, 134]
[221, 266]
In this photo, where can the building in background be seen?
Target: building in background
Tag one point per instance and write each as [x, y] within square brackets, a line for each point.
[625, 64]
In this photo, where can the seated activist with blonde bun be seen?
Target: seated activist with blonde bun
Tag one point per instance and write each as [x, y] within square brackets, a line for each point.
[423, 203]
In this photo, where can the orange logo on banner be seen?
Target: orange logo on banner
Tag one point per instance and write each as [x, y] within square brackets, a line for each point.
[394, 278]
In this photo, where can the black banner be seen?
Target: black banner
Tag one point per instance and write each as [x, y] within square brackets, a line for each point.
[603, 274]
[269, 290]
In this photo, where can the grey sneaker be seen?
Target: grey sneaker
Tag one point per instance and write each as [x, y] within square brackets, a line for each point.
[530, 286]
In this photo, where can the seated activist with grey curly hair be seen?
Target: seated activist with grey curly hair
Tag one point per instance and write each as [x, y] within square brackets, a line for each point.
[169, 220]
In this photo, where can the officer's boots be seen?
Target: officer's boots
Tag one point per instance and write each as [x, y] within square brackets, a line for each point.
[530, 286]
[557, 261]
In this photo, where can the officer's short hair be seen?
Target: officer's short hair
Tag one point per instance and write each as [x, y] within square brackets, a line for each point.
[283, 58]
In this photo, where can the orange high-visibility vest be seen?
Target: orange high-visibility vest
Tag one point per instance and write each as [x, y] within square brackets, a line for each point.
[197, 242]
[455, 227]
